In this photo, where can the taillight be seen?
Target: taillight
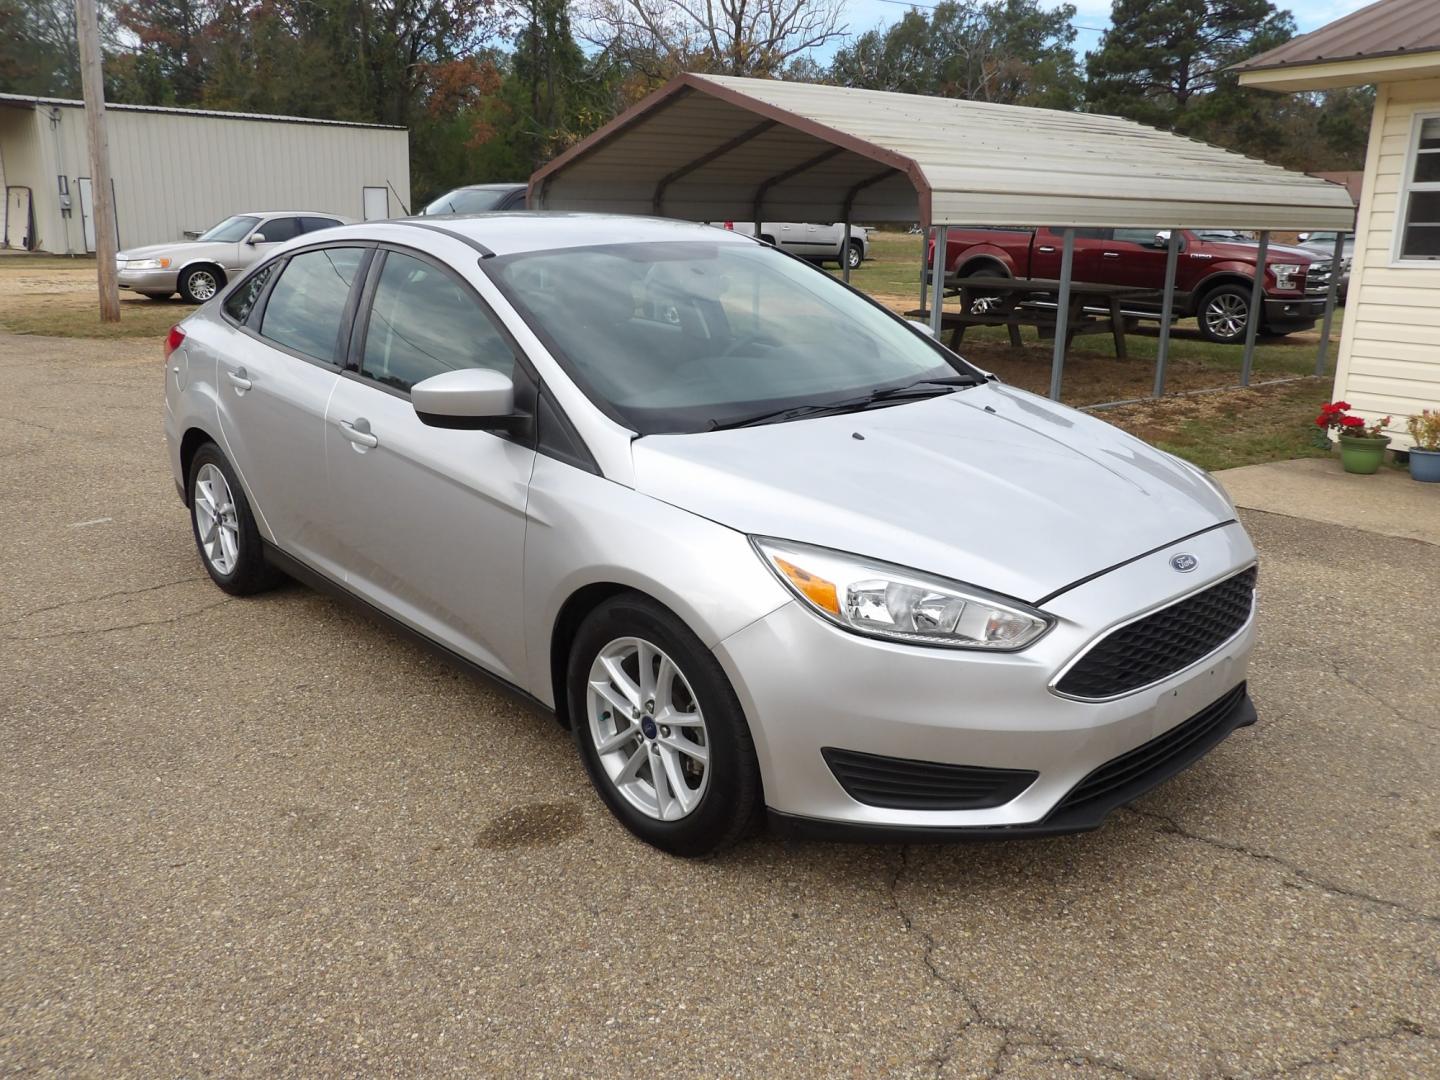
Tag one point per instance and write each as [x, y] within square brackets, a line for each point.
[173, 340]
[730, 225]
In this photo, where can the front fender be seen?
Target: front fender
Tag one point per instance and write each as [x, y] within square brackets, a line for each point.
[584, 530]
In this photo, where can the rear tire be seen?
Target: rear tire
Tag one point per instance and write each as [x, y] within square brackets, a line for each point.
[708, 790]
[1224, 314]
[226, 535]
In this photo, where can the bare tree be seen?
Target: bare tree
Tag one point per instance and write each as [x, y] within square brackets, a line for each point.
[733, 37]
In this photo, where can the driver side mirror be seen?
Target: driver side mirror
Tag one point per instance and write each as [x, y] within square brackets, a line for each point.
[472, 399]
[1162, 238]
[256, 238]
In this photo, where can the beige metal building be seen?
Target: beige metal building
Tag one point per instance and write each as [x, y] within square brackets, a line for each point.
[182, 170]
[1389, 362]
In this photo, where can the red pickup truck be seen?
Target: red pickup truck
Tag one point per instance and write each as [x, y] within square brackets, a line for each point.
[1213, 277]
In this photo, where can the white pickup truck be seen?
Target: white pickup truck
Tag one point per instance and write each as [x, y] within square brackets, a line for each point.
[820, 243]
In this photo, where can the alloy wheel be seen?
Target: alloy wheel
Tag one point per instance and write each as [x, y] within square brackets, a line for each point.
[202, 284]
[216, 523]
[647, 729]
[854, 256]
[1226, 315]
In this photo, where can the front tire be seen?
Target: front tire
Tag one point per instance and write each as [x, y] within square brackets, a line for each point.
[659, 729]
[1224, 314]
[855, 255]
[200, 283]
[224, 527]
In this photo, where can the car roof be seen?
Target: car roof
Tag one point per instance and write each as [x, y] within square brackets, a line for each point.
[483, 187]
[507, 232]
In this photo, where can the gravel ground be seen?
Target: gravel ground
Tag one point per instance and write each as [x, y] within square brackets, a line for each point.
[267, 836]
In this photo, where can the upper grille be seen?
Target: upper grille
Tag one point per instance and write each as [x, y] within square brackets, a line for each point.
[901, 784]
[1164, 642]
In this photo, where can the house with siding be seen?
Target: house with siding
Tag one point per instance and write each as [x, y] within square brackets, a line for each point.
[1389, 360]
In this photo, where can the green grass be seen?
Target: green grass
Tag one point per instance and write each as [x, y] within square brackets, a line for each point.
[1242, 427]
[77, 315]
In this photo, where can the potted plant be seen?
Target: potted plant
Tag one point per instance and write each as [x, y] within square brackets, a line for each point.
[1362, 445]
[1425, 454]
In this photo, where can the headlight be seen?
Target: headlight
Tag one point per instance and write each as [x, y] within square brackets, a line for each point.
[885, 601]
[147, 264]
[1285, 274]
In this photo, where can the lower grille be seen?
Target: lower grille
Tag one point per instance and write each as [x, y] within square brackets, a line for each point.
[901, 784]
[1123, 778]
[1166, 641]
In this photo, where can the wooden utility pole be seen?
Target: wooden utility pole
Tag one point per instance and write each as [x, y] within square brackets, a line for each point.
[93, 79]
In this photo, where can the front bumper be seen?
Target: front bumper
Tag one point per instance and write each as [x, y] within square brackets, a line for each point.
[1302, 311]
[807, 685]
[156, 281]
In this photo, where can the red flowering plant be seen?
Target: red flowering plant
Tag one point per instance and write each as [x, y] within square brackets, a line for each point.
[1337, 415]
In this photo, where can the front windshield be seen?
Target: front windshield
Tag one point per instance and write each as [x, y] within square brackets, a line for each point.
[692, 335]
[1225, 236]
[468, 201]
[232, 230]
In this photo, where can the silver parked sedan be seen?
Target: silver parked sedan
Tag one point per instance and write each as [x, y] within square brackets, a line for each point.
[759, 543]
[198, 269]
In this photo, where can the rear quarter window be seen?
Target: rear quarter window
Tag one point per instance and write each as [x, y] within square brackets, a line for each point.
[241, 302]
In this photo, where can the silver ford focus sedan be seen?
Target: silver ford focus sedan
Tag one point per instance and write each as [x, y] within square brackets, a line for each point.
[761, 545]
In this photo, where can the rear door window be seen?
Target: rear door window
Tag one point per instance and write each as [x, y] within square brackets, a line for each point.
[278, 230]
[312, 224]
[307, 306]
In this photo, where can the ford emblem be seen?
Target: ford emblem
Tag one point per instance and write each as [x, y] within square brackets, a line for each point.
[1183, 563]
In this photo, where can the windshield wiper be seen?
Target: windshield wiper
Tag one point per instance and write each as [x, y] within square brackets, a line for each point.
[922, 388]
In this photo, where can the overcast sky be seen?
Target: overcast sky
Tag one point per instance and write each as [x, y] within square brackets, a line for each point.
[862, 15]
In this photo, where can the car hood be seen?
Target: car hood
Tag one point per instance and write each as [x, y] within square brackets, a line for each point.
[1247, 252]
[991, 486]
[181, 249]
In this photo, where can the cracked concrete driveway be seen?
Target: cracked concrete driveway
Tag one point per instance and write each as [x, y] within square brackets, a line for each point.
[267, 836]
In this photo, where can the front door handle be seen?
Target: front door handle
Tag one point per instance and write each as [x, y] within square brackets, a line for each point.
[358, 432]
[1046, 250]
[240, 378]
[1112, 254]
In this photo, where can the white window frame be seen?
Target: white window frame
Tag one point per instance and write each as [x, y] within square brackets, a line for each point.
[1408, 186]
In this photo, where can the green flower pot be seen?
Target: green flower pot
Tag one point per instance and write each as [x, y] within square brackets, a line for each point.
[1362, 456]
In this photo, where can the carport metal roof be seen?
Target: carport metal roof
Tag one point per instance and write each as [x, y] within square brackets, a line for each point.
[711, 148]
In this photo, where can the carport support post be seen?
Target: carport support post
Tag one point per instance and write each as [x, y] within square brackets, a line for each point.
[1167, 311]
[937, 280]
[1257, 308]
[925, 238]
[1330, 297]
[845, 253]
[1062, 315]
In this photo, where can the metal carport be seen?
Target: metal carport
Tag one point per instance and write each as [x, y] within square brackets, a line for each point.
[709, 148]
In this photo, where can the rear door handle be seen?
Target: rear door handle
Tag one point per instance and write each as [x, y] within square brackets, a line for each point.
[241, 378]
[1111, 254]
[357, 433]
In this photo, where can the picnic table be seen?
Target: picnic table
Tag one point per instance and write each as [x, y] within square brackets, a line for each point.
[1016, 302]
